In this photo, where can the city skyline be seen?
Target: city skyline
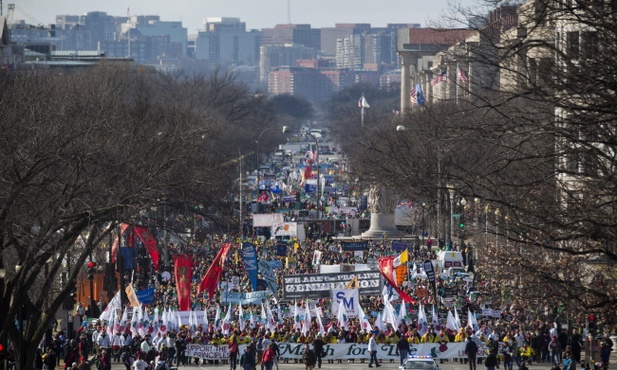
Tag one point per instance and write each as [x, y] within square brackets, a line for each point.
[256, 14]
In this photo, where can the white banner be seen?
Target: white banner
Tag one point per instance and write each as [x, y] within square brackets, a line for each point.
[267, 219]
[207, 351]
[346, 351]
[332, 269]
[285, 229]
[351, 301]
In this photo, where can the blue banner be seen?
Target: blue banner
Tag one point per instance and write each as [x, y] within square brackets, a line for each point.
[281, 249]
[266, 270]
[354, 246]
[249, 255]
[276, 264]
[312, 188]
[145, 296]
[401, 246]
[128, 255]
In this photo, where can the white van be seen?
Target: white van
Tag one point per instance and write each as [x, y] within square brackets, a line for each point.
[450, 260]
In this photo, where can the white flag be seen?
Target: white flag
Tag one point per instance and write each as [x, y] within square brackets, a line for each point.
[115, 304]
[422, 322]
[342, 315]
[362, 103]
[435, 320]
[227, 321]
[364, 323]
[450, 323]
[457, 320]
[379, 322]
[241, 317]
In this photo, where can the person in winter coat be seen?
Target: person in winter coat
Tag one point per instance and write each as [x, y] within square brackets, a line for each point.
[402, 350]
[491, 361]
[267, 359]
[471, 350]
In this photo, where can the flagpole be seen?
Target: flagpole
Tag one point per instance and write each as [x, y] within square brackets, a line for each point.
[456, 82]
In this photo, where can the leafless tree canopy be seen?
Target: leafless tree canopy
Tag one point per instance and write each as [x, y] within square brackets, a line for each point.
[81, 152]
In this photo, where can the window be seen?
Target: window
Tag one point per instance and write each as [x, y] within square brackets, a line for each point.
[573, 47]
[589, 44]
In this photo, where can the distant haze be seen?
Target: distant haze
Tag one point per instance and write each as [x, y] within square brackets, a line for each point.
[256, 14]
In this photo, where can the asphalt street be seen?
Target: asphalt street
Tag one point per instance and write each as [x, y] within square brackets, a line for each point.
[451, 365]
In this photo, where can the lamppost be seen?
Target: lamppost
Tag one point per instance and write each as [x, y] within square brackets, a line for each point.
[462, 219]
[258, 158]
[286, 130]
[451, 191]
[423, 221]
[497, 215]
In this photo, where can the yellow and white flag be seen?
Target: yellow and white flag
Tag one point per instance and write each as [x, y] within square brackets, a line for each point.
[401, 259]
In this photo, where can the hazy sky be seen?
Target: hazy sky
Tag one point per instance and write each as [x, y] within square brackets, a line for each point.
[256, 13]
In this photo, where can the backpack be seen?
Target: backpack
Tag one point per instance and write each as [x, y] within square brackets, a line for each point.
[243, 359]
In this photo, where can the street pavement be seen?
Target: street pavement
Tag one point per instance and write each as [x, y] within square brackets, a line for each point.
[451, 365]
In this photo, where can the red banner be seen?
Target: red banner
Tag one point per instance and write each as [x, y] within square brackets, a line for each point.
[114, 247]
[212, 277]
[386, 269]
[144, 235]
[150, 243]
[183, 273]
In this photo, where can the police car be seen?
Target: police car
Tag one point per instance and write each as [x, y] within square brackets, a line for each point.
[420, 363]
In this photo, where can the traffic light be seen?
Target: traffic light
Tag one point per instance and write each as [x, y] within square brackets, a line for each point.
[71, 298]
[91, 269]
[592, 323]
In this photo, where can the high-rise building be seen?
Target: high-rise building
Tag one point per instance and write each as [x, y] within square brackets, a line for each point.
[301, 34]
[226, 41]
[274, 56]
[330, 35]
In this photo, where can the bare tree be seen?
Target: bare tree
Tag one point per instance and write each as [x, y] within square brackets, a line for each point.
[84, 151]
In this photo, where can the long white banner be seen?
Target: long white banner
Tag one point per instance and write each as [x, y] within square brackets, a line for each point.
[343, 351]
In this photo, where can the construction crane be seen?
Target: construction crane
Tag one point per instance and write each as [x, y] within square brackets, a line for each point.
[10, 14]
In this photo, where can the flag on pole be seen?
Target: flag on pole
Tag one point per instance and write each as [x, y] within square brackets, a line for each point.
[422, 322]
[306, 323]
[402, 312]
[342, 315]
[353, 283]
[217, 317]
[362, 103]
[296, 316]
[457, 319]
[364, 323]
[401, 259]
[472, 322]
[227, 321]
[420, 94]
[322, 330]
[462, 76]
[413, 95]
[450, 323]
[435, 320]
[386, 270]
[213, 275]
[443, 76]
[241, 317]
[271, 323]
[379, 322]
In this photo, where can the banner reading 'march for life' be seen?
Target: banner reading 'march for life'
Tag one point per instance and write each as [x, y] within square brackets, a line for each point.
[346, 351]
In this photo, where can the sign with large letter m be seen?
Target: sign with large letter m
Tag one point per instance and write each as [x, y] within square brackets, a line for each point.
[351, 301]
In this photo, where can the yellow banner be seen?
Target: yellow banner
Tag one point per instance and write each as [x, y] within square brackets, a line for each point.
[130, 293]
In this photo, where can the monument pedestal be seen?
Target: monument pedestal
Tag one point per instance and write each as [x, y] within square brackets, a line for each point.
[382, 224]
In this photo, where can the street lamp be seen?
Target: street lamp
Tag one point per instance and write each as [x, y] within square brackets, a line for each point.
[258, 159]
[451, 191]
[286, 130]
